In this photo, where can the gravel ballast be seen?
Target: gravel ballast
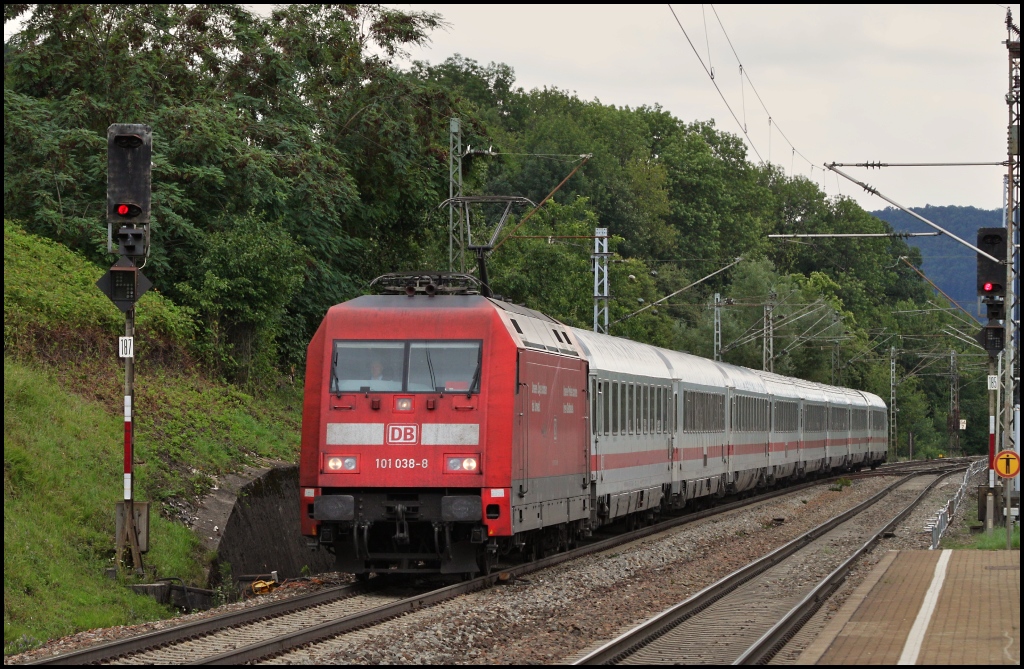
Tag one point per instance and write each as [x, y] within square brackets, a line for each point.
[559, 613]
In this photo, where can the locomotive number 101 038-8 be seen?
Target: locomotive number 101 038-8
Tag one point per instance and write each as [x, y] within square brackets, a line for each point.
[401, 463]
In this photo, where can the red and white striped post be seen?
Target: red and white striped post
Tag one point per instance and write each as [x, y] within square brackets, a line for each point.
[991, 451]
[130, 531]
[128, 447]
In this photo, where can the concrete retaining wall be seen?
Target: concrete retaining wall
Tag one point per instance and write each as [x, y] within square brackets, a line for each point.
[251, 522]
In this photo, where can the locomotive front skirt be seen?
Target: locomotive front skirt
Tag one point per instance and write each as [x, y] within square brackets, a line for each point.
[442, 432]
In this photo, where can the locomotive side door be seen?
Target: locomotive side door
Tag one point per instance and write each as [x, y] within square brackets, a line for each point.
[520, 438]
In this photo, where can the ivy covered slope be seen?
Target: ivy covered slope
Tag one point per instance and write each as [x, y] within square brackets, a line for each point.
[63, 436]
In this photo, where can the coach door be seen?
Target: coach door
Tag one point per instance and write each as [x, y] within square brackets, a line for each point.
[597, 393]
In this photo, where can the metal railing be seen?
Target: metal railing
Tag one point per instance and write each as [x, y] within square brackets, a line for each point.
[937, 525]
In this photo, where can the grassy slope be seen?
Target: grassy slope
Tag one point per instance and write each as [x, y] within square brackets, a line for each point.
[63, 435]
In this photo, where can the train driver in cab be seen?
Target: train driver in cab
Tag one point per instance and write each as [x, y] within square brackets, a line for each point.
[383, 379]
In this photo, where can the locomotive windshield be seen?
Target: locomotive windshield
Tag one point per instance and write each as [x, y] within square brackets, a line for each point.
[406, 366]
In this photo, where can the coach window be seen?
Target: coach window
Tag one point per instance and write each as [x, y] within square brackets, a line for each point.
[615, 407]
[645, 410]
[623, 409]
[657, 408]
[604, 405]
[593, 406]
[629, 409]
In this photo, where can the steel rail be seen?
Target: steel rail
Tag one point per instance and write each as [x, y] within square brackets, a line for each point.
[198, 628]
[191, 630]
[263, 649]
[283, 643]
[762, 650]
[645, 632]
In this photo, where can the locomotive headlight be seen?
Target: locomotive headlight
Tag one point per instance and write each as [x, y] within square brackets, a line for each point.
[346, 463]
[403, 404]
[461, 463]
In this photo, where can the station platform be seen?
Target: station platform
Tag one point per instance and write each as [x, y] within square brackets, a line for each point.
[928, 607]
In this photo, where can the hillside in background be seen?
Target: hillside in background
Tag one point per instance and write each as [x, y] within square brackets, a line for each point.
[951, 265]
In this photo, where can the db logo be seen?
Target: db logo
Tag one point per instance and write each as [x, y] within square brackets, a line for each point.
[403, 434]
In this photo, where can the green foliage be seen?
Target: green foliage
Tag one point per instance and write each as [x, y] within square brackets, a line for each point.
[48, 289]
[997, 540]
[551, 273]
[839, 484]
[58, 537]
[297, 118]
[241, 286]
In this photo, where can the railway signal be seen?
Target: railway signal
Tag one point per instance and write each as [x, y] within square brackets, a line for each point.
[129, 187]
[992, 275]
[129, 167]
[129, 182]
[124, 284]
[991, 286]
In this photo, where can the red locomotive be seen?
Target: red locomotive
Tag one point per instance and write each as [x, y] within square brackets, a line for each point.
[443, 429]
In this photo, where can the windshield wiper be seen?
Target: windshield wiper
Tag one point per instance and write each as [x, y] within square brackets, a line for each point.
[334, 373]
[476, 376]
[430, 368]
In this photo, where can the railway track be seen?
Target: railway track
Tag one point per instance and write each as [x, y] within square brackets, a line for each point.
[264, 631]
[748, 616]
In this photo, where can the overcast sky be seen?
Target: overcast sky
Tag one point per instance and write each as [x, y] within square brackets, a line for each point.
[921, 83]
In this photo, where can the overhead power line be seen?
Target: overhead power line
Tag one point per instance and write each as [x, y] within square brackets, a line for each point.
[880, 165]
[687, 287]
[745, 74]
[711, 76]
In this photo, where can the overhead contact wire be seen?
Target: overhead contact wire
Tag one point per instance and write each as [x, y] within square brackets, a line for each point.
[711, 76]
[743, 73]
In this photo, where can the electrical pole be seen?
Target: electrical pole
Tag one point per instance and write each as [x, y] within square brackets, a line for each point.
[601, 292]
[993, 390]
[718, 328]
[892, 402]
[768, 349]
[954, 406]
[456, 235]
[835, 363]
[1012, 301]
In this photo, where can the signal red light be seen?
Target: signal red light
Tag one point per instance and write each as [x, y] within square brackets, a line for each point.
[988, 287]
[122, 209]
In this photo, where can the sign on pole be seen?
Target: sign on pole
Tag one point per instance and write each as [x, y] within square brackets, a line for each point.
[126, 347]
[993, 382]
[1007, 464]
[963, 423]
